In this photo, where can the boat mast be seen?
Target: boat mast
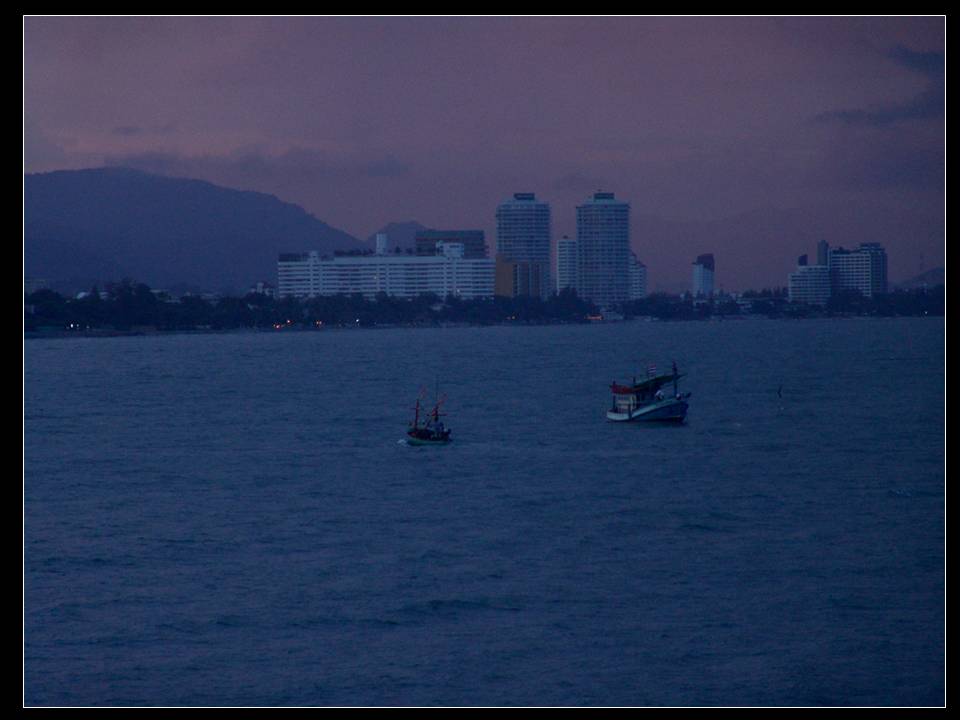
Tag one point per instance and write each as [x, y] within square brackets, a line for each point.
[436, 402]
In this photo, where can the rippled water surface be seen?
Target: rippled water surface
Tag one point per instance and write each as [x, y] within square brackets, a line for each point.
[230, 520]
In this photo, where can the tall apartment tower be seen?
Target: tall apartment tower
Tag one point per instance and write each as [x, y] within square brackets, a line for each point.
[603, 250]
[703, 272]
[567, 267]
[523, 245]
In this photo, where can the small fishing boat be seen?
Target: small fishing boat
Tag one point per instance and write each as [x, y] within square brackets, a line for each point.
[431, 430]
[646, 401]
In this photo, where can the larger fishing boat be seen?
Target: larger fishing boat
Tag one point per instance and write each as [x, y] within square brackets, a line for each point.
[429, 431]
[646, 401]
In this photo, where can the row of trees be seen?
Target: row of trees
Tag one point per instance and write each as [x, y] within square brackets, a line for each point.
[775, 303]
[673, 307]
[128, 305]
[919, 301]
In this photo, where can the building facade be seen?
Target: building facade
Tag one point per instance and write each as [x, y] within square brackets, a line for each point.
[473, 241]
[863, 270]
[823, 252]
[520, 278]
[703, 275]
[603, 250]
[810, 284]
[298, 274]
[448, 272]
[523, 238]
[32, 285]
[567, 265]
[638, 278]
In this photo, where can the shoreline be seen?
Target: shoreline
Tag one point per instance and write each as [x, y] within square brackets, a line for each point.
[153, 332]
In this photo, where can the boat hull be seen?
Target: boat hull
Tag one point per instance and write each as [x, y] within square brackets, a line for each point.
[667, 411]
[417, 442]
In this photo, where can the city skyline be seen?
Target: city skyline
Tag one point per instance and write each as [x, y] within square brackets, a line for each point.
[766, 132]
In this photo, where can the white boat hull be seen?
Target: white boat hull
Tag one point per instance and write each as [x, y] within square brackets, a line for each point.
[671, 410]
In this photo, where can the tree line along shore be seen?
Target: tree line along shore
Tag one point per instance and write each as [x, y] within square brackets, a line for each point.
[130, 306]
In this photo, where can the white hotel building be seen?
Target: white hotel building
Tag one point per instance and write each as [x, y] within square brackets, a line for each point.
[863, 269]
[307, 275]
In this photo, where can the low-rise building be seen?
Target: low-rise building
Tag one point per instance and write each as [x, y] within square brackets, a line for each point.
[298, 274]
[262, 288]
[474, 243]
[447, 272]
[31, 285]
[810, 284]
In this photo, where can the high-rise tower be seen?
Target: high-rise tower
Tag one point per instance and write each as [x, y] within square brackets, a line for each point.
[523, 245]
[603, 249]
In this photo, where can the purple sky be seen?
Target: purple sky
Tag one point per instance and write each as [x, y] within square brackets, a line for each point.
[764, 134]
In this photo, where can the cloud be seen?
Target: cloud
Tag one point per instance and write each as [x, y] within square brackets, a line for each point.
[928, 63]
[927, 105]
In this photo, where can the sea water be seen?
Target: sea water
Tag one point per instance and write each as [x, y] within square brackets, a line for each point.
[229, 519]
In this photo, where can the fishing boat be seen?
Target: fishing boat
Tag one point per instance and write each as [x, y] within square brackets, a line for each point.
[431, 430]
[646, 401]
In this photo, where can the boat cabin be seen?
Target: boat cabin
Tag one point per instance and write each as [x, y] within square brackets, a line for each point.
[627, 398]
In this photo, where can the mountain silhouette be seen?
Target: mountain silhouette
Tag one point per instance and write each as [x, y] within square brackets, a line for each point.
[930, 278]
[98, 225]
